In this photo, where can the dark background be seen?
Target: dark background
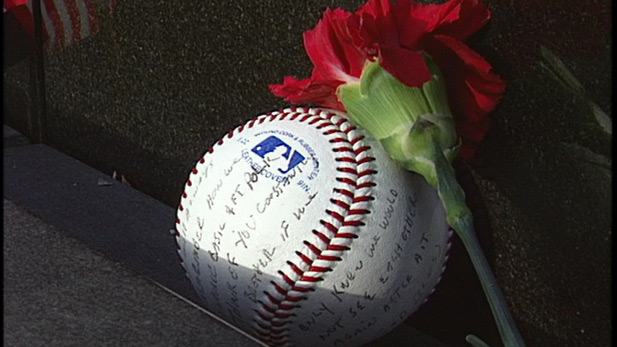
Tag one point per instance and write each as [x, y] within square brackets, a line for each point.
[162, 81]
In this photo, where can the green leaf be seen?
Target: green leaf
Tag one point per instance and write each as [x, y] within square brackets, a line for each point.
[380, 103]
[404, 119]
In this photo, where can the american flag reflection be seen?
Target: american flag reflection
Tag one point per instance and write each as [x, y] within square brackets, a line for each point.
[65, 22]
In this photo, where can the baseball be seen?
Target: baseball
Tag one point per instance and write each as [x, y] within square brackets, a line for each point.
[297, 228]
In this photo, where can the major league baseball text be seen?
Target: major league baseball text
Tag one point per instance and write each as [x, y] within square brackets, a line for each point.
[297, 228]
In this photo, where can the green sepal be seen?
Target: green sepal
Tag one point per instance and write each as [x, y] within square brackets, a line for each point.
[404, 119]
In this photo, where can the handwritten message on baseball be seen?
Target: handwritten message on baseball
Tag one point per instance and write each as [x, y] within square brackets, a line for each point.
[298, 229]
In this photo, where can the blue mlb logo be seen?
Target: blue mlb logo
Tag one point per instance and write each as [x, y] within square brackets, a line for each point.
[278, 154]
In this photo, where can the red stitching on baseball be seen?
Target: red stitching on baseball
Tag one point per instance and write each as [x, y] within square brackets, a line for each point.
[287, 307]
[343, 149]
[362, 149]
[337, 248]
[277, 337]
[283, 315]
[350, 129]
[277, 330]
[354, 223]
[302, 289]
[272, 298]
[348, 170]
[323, 124]
[278, 288]
[363, 198]
[340, 203]
[279, 323]
[317, 251]
[264, 317]
[330, 132]
[340, 122]
[365, 160]
[344, 192]
[270, 325]
[295, 298]
[322, 237]
[320, 269]
[329, 226]
[346, 180]
[286, 278]
[360, 211]
[295, 268]
[307, 278]
[367, 172]
[345, 160]
[267, 307]
[347, 235]
[332, 228]
[357, 139]
[304, 258]
[366, 185]
[339, 217]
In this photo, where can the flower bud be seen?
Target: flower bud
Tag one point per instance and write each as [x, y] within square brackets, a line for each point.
[406, 120]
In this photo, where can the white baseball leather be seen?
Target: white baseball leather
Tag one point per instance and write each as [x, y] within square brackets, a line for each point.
[299, 229]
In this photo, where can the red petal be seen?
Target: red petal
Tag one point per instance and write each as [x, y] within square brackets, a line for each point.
[456, 18]
[308, 90]
[378, 23]
[407, 66]
[464, 18]
[411, 29]
[473, 89]
[332, 49]
[468, 151]
[466, 71]
[9, 4]
[473, 131]
[398, 31]
[472, 134]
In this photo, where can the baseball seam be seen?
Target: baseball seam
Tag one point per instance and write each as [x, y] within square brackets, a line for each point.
[341, 224]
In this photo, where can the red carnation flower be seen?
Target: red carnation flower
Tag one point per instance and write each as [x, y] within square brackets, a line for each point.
[398, 34]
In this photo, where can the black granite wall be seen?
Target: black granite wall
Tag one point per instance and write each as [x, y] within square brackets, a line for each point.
[163, 80]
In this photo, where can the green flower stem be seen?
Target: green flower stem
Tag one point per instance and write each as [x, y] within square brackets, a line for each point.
[416, 128]
[475, 341]
[460, 219]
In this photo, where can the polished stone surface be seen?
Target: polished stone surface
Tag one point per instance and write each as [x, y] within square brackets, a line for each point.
[59, 292]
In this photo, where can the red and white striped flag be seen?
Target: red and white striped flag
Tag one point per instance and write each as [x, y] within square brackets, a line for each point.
[65, 22]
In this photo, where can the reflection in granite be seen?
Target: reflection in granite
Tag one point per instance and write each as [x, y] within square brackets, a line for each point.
[160, 83]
